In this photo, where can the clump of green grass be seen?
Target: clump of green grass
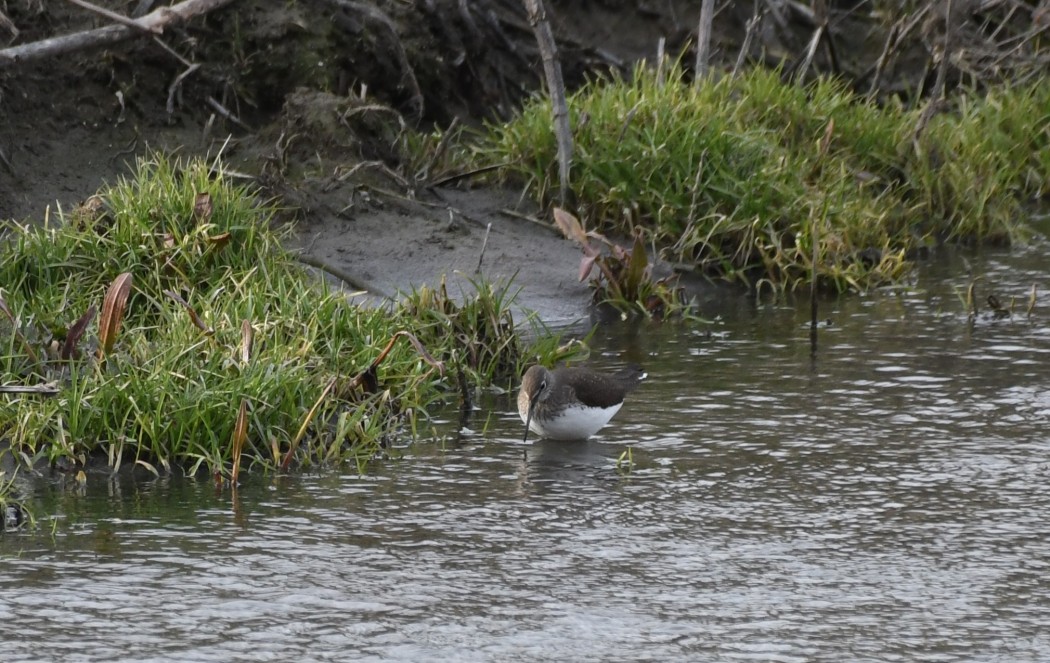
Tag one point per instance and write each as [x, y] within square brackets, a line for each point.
[478, 334]
[217, 315]
[738, 175]
[983, 161]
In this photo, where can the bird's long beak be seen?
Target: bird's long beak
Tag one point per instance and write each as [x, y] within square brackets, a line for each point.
[528, 418]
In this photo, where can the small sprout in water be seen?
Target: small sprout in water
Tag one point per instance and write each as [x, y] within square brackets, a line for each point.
[971, 299]
[625, 463]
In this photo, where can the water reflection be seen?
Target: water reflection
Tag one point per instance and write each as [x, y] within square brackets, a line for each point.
[885, 501]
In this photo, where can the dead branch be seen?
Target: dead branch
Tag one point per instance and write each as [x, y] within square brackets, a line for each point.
[745, 48]
[811, 50]
[898, 32]
[115, 17]
[46, 389]
[880, 64]
[154, 22]
[556, 88]
[225, 112]
[703, 38]
[176, 86]
[821, 33]
[353, 280]
[936, 97]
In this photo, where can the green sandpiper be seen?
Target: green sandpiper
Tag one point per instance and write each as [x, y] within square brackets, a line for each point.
[572, 403]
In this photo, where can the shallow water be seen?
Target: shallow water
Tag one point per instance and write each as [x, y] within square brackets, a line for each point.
[885, 501]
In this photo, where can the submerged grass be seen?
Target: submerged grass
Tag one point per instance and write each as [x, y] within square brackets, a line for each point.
[736, 176]
[13, 510]
[229, 354]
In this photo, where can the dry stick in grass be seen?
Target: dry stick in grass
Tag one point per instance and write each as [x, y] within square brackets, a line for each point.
[811, 51]
[815, 238]
[46, 389]
[776, 10]
[816, 224]
[880, 64]
[556, 87]
[821, 34]
[934, 102]
[661, 45]
[1022, 39]
[197, 321]
[424, 174]
[749, 36]
[818, 35]
[154, 21]
[897, 34]
[821, 10]
[703, 38]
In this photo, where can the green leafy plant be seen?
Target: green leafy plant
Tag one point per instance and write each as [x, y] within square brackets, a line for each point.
[730, 175]
[624, 276]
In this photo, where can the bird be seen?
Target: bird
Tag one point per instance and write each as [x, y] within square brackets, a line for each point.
[572, 403]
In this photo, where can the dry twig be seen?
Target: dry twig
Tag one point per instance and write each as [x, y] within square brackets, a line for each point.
[703, 38]
[154, 22]
[934, 102]
[115, 17]
[556, 87]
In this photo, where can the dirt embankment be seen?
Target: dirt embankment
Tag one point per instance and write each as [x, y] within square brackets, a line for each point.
[309, 99]
[315, 94]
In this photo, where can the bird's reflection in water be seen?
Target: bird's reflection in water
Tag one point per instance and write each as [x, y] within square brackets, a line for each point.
[554, 465]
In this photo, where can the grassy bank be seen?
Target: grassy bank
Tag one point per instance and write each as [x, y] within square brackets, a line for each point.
[164, 324]
[737, 176]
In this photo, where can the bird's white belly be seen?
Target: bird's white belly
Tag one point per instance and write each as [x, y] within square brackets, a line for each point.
[574, 423]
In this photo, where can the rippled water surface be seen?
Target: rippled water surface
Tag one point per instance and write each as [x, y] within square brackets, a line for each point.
[886, 501]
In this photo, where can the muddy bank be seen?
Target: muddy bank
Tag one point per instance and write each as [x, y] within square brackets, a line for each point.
[393, 244]
[72, 124]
